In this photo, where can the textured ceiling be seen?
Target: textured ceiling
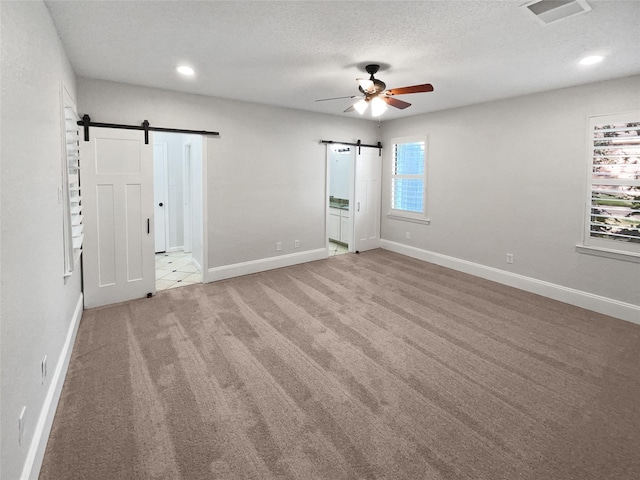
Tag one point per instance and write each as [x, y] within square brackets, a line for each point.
[290, 53]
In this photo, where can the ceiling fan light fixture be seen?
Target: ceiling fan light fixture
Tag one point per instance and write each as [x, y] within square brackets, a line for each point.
[366, 84]
[378, 107]
[375, 92]
[361, 106]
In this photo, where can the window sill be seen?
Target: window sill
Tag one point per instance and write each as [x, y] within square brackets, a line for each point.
[609, 253]
[395, 216]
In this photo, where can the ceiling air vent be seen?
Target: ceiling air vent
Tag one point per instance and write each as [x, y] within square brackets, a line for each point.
[550, 11]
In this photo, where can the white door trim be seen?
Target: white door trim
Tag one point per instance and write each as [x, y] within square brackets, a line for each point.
[205, 210]
[187, 182]
[327, 194]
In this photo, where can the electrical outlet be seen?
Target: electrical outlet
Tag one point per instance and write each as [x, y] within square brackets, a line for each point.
[21, 420]
[44, 369]
[296, 244]
[509, 257]
[278, 246]
[408, 235]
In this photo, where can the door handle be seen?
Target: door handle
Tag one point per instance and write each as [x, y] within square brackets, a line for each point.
[358, 206]
[148, 226]
[161, 204]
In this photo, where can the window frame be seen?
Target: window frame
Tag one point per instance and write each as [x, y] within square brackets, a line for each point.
[605, 247]
[407, 215]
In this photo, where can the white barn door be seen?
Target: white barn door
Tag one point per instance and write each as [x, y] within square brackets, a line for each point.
[367, 196]
[117, 188]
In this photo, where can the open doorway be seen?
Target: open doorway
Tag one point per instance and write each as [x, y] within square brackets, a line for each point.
[340, 174]
[178, 201]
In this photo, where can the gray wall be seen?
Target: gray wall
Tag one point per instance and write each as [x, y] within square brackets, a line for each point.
[37, 303]
[510, 176]
[266, 171]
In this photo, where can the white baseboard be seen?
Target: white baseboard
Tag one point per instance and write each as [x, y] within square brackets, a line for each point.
[596, 303]
[264, 264]
[35, 455]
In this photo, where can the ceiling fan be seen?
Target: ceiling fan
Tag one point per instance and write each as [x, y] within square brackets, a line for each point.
[375, 93]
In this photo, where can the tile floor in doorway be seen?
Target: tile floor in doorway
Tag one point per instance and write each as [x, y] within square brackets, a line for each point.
[337, 249]
[175, 269]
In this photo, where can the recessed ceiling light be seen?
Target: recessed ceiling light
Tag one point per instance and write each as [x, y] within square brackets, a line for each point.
[591, 60]
[184, 70]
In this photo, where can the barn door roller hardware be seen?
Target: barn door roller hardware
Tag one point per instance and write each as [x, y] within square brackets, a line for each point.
[86, 123]
[359, 144]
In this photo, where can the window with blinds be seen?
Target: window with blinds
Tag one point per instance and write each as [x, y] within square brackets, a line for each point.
[73, 233]
[613, 218]
[408, 178]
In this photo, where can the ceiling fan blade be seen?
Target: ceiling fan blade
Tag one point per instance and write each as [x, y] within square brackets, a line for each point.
[350, 109]
[336, 98]
[394, 102]
[426, 87]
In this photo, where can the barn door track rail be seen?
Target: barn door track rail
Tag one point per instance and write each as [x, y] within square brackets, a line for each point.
[359, 144]
[86, 123]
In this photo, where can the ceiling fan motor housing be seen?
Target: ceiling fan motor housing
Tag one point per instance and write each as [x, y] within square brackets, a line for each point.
[378, 85]
[377, 88]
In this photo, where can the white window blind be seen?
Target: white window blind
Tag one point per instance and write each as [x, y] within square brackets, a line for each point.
[408, 178]
[614, 201]
[73, 228]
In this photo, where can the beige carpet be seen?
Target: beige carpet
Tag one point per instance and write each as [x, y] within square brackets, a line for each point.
[370, 366]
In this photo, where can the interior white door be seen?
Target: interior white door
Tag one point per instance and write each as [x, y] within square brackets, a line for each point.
[160, 196]
[367, 195]
[117, 181]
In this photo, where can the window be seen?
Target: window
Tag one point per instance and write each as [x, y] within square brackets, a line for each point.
[408, 179]
[73, 228]
[613, 212]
